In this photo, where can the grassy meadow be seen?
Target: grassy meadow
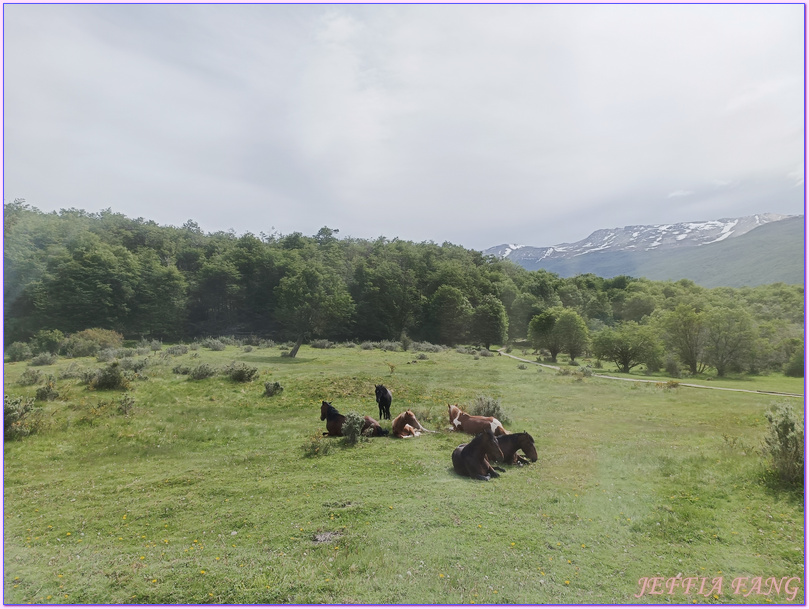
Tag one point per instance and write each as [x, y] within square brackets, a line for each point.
[207, 491]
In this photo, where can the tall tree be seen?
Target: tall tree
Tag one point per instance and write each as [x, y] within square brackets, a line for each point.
[312, 301]
[572, 331]
[729, 337]
[626, 345]
[685, 334]
[489, 322]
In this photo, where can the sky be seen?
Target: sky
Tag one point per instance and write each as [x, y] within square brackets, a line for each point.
[474, 124]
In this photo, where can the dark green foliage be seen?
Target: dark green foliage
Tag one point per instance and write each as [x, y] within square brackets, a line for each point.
[112, 377]
[627, 345]
[47, 341]
[489, 322]
[47, 392]
[784, 443]
[19, 417]
[272, 388]
[795, 366]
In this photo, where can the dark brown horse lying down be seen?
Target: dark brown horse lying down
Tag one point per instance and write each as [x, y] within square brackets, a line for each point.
[406, 425]
[334, 422]
[511, 443]
[473, 459]
[473, 424]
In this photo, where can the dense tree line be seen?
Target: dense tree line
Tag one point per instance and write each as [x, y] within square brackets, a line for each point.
[74, 270]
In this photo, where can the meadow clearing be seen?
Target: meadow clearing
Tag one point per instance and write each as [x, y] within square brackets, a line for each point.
[207, 491]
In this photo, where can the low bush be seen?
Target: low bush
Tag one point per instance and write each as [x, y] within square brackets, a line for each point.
[316, 446]
[272, 388]
[18, 352]
[214, 344]
[112, 377]
[784, 442]
[201, 371]
[47, 393]
[31, 376]
[20, 417]
[44, 359]
[241, 372]
[486, 406]
[352, 427]
[177, 350]
[321, 343]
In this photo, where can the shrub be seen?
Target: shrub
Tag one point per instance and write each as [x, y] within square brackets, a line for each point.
[156, 345]
[47, 392]
[522, 367]
[586, 371]
[181, 369]
[31, 376]
[784, 442]
[107, 355]
[485, 353]
[352, 427]
[367, 346]
[135, 365]
[241, 373]
[271, 389]
[672, 367]
[78, 347]
[20, 417]
[44, 359]
[111, 377]
[126, 404]
[316, 446]
[18, 352]
[321, 343]
[47, 341]
[486, 406]
[73, 371]
[247, 348]
[177, 350]
[213, 344]
[202, 371]
[390, 345]
[422, 356]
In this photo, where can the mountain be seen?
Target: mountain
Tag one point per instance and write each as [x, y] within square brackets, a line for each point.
[753, 250]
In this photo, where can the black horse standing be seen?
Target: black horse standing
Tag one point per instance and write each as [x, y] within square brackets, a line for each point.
[383, 397]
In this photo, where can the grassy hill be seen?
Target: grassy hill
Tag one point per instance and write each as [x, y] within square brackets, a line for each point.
[208, 492]
[768, 254]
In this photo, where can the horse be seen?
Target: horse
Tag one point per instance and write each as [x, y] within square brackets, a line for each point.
[383, 398]
[473, 424]
[511, 443]
[334, 422]
[406, 425]
[471, 459]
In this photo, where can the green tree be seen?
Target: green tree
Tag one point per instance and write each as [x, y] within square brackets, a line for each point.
[489, 322]
[572, 331]
[312, 301]
[627, 345]
[729, 337]
[685, 335]
[541, 332]
[449, 316]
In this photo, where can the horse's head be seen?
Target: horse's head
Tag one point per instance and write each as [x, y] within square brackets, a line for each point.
[379, 390]
[527, 446]
[409, 417]
[324, 410]
[490, 445]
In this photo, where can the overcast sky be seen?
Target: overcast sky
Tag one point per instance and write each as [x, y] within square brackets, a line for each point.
[474, 124]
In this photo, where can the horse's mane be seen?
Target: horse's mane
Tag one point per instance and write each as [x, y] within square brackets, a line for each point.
[332, 413]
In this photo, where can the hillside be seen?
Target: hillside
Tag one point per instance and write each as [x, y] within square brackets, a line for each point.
[770, 253]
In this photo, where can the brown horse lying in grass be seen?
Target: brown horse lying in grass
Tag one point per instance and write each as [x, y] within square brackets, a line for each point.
[406, 425]
[511, 443]
[472, 424]
[473, 459]
[334, 422]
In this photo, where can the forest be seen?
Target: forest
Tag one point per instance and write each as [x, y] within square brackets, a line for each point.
[72, 270]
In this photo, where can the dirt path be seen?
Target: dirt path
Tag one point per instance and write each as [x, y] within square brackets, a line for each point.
[618, 378]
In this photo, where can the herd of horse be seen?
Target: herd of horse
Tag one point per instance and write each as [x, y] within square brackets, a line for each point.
[491, 442]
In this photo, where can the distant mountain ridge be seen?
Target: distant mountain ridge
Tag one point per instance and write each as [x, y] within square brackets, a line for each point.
[726, 252]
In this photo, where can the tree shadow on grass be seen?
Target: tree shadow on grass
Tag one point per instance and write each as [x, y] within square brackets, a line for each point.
[776, 486]
[277, 359]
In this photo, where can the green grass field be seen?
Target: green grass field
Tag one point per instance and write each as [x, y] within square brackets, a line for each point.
[210, 492]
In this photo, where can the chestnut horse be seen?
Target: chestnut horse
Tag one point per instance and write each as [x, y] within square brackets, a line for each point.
[406, 425]
[472, 424]
[383, 397]
[334, 422]
[511, 443]
[471, 459]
